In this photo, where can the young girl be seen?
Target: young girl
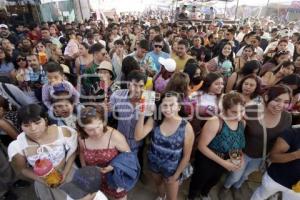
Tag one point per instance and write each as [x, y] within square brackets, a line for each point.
[219, 137]
[247, 55]
[57, 83]
[224, 62]
[39, 140]
[83, 59]
[170, 147]
[99, 145]
[250, 67]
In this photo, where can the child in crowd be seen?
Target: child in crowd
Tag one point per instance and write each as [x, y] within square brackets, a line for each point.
[57, 83]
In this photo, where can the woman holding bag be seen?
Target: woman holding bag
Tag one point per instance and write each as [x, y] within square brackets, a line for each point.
[271, 119]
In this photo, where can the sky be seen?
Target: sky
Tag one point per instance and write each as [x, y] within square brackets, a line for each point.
[139, 5]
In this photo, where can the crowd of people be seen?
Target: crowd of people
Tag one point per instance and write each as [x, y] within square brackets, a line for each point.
[179, 101]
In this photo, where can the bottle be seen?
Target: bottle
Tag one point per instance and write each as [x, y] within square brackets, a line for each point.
[44, 169]
[42, 58]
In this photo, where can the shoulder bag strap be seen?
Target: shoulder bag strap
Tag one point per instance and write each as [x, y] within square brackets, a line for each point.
[262, 122]
[10, 94]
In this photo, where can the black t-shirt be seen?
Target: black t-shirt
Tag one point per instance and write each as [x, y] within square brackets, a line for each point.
[287, 174]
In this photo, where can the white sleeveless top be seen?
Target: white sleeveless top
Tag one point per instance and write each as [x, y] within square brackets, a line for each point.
[62, 148]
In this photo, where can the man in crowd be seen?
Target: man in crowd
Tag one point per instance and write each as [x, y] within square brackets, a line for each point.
[182, 56]
[157, 52]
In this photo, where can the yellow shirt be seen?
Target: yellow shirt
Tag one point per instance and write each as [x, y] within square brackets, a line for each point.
[180, 63]
[149, 84]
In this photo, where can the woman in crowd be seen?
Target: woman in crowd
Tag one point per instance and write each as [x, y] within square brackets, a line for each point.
[278, 58]
[54, 32]
[205, 103]
[250, 87]
[220, 136]
[196, 74]
[99, 145]
[272, 77]
[209, 96]
[269, 117]
[55, 54]
[22, 69]
[41, 50]
[297, 50]
[282, 45]
[224, 62]
[179, 83]
[247, 55]
[9, 125]
[251, 67]
[283, 175]
[84, 58]
[39, 140]
[170, 147]
[7, 68]
[72, 49]
[297, 65]
[162, 78]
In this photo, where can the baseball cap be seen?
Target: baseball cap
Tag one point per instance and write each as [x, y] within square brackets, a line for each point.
[284, 33]
[66, 69]
[3, 26]
[107, 66]
[168, 63]
[85, 181]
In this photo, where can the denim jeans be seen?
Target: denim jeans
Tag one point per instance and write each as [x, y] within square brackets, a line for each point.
[237, 178]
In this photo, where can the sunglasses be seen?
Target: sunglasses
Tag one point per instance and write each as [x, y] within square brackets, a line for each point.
[279, 53]
[88, 113]
[21, 59]
[104, 53]
[158, 46]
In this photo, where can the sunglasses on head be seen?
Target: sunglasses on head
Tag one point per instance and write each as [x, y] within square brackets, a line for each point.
[88, 113]
[21, 59]
[158, 46]
[279, 53]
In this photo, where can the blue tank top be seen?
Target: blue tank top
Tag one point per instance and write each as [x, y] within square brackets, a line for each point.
[228, 139]
[165, 152]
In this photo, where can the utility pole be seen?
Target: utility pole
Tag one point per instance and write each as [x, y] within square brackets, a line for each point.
[236, 9]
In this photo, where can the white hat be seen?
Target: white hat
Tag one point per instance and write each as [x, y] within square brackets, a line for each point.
[168, 63]
[3, 26]
[284, 33]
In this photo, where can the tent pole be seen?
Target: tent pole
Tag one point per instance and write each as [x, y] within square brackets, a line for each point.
[236, 9]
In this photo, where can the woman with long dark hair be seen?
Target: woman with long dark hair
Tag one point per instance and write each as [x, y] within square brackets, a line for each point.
[250, 67]
[224, 62]
[7, 68]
